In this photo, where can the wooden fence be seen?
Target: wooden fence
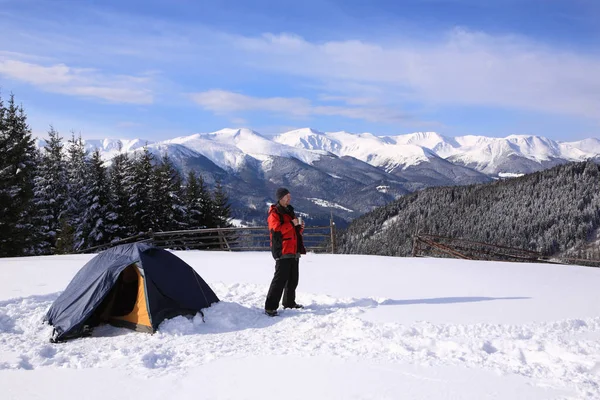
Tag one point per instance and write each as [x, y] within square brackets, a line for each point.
[425, 244]
[316, 239]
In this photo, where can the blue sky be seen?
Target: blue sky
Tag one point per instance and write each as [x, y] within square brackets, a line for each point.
[157, 69]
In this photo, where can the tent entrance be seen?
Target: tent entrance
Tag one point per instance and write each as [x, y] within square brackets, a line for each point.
[126, 305]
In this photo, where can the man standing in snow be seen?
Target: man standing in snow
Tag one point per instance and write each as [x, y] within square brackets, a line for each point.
[286, 247]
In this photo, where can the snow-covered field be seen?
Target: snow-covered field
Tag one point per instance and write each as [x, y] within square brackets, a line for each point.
[373, 328]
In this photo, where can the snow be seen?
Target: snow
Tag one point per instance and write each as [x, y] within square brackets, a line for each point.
[109, 148]
[487, 152]
[329, 204]
[509, 175]
[389, 222]
[238, 223]
[373, 327]
[588, 146]
[377, 151]
[382, 188]
[231, 148]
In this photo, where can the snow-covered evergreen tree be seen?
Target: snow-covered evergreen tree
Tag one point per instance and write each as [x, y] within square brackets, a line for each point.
[168, 208]
[51, 192]
[222, 208]
[17, 169]
[121, 182]
[141, 191]
[197, 201]
[77, 190]
[99, 218]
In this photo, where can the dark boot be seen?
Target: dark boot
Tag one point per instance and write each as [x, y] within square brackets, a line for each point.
[295, 305]
[271, 313]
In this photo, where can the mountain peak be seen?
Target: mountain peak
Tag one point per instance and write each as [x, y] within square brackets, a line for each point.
[303, 132]
[233, 133]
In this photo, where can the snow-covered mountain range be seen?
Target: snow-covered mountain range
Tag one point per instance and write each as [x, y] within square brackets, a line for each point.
[491, 156]
[348, 173]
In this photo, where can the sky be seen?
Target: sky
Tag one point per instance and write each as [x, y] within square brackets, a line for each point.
[158, 69]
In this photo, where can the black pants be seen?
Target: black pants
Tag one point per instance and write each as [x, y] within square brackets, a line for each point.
[284, 281]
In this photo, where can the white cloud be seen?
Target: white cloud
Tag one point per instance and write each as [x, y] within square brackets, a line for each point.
[239, 121]
[225, 103]
[463, 68]
[458, 68]
[82, 82]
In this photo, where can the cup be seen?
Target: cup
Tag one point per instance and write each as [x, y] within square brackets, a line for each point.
[299, 220]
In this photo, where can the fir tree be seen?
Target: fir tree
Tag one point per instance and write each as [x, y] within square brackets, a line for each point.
[162, 203]
[221, 216]
[51, 191]
[17, 169]
[221, 208]
[121, 182]
[141, 191]
[99, 218]
[168, 210]
[196, 199]
[64, 240]
[77, 190]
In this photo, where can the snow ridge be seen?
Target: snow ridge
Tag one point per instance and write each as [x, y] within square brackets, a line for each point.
[231, 149]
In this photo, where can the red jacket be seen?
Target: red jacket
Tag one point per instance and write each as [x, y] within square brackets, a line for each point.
[286, 239]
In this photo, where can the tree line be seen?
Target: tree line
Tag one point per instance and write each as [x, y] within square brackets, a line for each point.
[60, 199]
[555, 212]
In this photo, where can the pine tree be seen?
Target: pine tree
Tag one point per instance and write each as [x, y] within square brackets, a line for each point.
[17, 169]
[222, 208]
[65, 239]
[221, 216]
[207, 205]
[121, 182]
[196, 196]
[141, 191]
[41, 219]
[51, 192]
[161, 201]
[77, 190]
[99, 218]
[168, 208]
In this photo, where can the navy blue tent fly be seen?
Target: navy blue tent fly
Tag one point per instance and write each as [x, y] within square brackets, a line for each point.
[133, 285]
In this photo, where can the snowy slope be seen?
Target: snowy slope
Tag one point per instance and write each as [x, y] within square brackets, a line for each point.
[497, 155]
[233, 149]
[590, 147]
[439, 144]
[484, 154]
[366, 147]
[110, 147]
[229, 148]
[373, 327]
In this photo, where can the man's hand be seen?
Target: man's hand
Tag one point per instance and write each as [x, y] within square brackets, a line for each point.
[295, 221]
[303, 224]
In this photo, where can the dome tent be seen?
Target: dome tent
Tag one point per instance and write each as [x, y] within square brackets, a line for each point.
[136, 286]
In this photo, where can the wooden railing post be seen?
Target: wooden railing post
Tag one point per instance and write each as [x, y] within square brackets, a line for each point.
[150, 235]
[414, 246]
[223, 240]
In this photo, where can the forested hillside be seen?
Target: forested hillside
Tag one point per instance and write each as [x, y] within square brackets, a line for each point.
[555, 211]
